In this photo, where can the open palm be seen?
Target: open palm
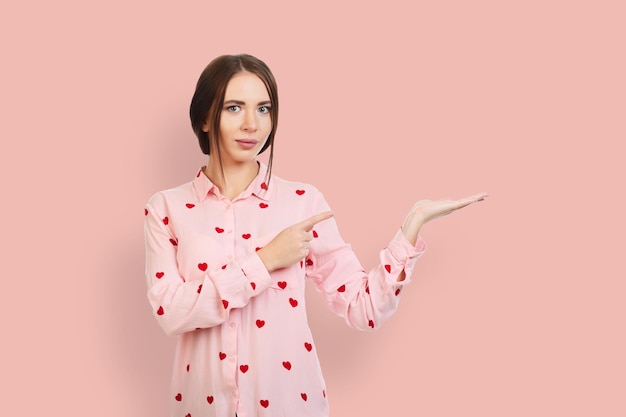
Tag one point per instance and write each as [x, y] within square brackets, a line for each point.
[426, 210]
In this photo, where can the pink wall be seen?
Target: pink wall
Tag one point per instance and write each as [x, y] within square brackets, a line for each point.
[517, 309]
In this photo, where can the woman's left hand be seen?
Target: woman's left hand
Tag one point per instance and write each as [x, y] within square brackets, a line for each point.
[426, 210]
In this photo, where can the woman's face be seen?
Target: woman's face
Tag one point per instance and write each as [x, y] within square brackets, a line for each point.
[245, 119]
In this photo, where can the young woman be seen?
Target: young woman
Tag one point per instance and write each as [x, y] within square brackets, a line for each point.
[227, 255]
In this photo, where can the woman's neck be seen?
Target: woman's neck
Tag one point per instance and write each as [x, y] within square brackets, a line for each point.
[235, 179]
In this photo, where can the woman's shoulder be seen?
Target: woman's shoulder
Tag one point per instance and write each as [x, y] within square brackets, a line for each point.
[296, 188]
[181, 193]
[297, 194]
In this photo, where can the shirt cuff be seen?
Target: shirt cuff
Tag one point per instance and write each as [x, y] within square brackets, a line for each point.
[254, 269]
[406, 254]
[236, 278]
[401, 248]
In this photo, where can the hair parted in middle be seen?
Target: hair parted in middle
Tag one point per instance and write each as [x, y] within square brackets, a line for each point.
[208, 99]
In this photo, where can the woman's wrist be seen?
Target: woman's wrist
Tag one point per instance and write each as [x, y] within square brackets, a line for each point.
[266, 259]
[411, 232]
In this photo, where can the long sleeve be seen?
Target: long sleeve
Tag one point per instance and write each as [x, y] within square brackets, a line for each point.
[365, 300]
[202, 299]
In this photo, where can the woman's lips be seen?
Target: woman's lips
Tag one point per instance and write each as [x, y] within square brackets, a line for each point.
[247, 143]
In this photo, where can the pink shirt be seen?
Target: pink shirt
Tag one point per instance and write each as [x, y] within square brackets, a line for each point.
[244, 345]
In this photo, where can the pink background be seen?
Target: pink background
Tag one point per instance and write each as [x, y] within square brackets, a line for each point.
[517, 308]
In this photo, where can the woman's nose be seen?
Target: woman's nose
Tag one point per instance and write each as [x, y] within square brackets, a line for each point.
[249, 122]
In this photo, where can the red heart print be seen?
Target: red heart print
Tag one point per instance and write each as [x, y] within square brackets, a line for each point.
[371, 323]
[145, 211]
[199, 288]
[388, 268]
[299, 192]
[198, 174]
[341, 289]
[253, 285]
[225, 303]
[309, 262]
[222, 356]
[209, 399]
[324, 393]
[246, 236]
[243, 368]
[300, 264]
[166, 220]
[179, 397]
[174, 242]
[263, 205]
[315, 234]
[203, 266]
[294, 303]
[282, 284]
[398, 291]
[219, 230]
[187, 367]
[287, 365]
[189, 205]
[260, 323]
[257, 249]
[303, 395]
[308, 346]
[188, 415]
[367, 289]
[264, 403]
[160, 311]
[223, 266]
[264, 186]
[159, 275]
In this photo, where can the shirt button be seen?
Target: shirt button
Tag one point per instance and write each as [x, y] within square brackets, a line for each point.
[229, 231]
[232, 324]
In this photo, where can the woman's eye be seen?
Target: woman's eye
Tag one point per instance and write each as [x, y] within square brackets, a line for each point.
[264, 109]
[233, 108]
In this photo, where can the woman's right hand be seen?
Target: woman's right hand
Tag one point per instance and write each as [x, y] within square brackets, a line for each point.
[291, 244]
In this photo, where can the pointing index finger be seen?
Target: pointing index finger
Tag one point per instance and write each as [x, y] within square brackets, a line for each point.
[308, 224]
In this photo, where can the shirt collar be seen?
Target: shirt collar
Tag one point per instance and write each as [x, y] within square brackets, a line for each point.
[204, 187]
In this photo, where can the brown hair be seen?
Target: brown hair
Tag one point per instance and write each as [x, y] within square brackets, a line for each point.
[208, 99]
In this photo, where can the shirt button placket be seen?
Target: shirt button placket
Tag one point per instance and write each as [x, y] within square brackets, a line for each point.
[231, 329]
[232, 346]
[229, 222]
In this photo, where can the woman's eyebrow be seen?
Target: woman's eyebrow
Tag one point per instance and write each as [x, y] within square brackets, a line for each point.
[238, 102]
[241, 103]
